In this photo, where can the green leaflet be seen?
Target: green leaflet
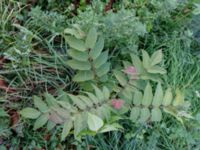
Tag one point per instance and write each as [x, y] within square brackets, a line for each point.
[80, 123]
[82, 76]
[51, 101]
[120, 77]
[147, 98]
[50, 125]
[92, 97]
[146, 59]
[41, 105]
[98, 93]
[86, 100]
[94, 122]
[96, 51]
[137, 99]
[91, 38]
[75, 43]
[101, 59]
[156, 114]
[106, 93]
[167, 97]
[144, 116]
[104, 69]
[158, 97]
[77, 101]
[137, 63]
[74, 33]
[66, 129]
[77, 55]
[135, 112]
[179, 99]
[156, 69]
[156, 58]
[79, 65]
[41, 121]
[30, 113]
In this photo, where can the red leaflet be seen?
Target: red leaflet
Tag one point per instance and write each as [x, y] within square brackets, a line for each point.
[117, 103]
[131, 70]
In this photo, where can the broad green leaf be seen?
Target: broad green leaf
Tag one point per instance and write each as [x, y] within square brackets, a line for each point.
[137, 63]
[144, 116]
[78, 55]
[121, 77]
[106, 93]
[179, 99]
[66, 129]
[62, 112]
[111, 127]
[167, 97]
[96, 51]
[147, 98]
[55, 118]
[101, 59]
[50, 125]
[156, 114]
[156, 58]
[3, 113]
[158, 97]
[82, 76]
[79, 65]
[135, 112]
[137, 99]
[156, 69]
[91, 38]
[77, 101]
[30, 113]
[80, 123]
[75, 43]
[149, 76]
[73, 32]
[94, 122]
[104, 69]
[41, 121]
[86, 100]
[40, 104]
[98, 93]
[146, 59]
[51, 101]
[93, 97]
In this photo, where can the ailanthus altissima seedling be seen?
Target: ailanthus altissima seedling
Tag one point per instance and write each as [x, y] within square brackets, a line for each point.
[91, 110]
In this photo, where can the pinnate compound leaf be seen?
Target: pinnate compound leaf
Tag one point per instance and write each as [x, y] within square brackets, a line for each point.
[41, 121]
[156, 115]
[156, 58]
[158, 97]
[148, 96]
[79, 65]
[66, 129]
[106, 93]
[121, 77]
[94, 122]
[40, 104]
[135, 112]
[167, 97]
[75, 43]
[82, 76]
[91, 38]
[101, 59]
[30, 113]
[96, 51]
